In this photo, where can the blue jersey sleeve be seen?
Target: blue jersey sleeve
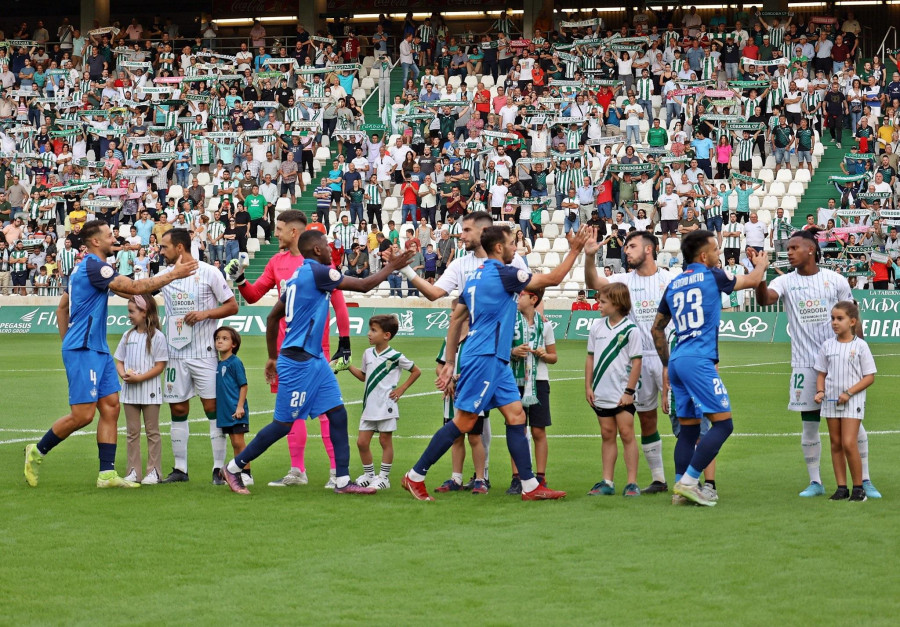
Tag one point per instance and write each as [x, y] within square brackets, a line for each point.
[664, 304]
[99, 273]
[326, 279]
[240, 375]
[724, 281]
[513, 279]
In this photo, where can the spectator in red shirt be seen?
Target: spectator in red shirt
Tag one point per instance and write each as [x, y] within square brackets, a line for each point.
[751, 50]
[351, 48]
[581, 303]
[483, 101]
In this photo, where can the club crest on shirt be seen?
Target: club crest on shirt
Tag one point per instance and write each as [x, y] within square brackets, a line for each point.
[724, 402]
[334, 274]
[106, 272]
[522, 276]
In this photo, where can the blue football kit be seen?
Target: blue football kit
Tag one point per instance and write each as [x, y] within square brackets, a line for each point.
[693, 301]
[486, 381]
[90, 369]
[306, 384]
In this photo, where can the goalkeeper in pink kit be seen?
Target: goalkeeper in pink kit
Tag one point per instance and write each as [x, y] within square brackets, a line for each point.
[281, 267]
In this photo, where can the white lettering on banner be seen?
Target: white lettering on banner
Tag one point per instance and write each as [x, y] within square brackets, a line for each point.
[880, 305]
[246, 324]
[357, 325]
[749, 328]
[881, 328]
[441, 319]
[584, 323]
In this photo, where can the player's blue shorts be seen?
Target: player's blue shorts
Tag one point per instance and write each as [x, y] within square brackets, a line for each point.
[485, 382]
[91, 375]
[305, 388]
[697, 387]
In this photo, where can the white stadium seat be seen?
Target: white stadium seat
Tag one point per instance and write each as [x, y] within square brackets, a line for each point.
[802, 176]
[560, 245]
[777, 188]
[784, 176]
[541, 245]
[551, 260]
[796, 189]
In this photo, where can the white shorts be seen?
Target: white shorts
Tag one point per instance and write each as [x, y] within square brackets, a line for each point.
[381, 426]
[650, 384]
[802, 390]
[851, 410]
[185, 378]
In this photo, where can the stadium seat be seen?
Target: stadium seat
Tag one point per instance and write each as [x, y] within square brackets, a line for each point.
[252, 245]
[766, 175]
[673, 245]
[664, 258]
[796, 189]
[541, 245]
[282, 204]
[754, 203]
[368, 61]
[488, 81]
[375, 73]
[818, 150]
[455, 81]
[674, 271]
[770, 202]
[471, 81]
[360, 95]
[770, 162]
[323, 154]
[560, 245]
[551, 230]
[368, 84]
[174, 191]
[764, 216]
[533, 260]
[570, 289]
[213, 204]
[802, 176]
[551, 260]
[307, 179]
[777, 188]
[124, 230]
[558, 218]
[578, 273]
[784, 176]
[757, 163]
[203, 178]
[789, 204]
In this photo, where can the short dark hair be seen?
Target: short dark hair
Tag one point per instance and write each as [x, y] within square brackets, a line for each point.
[693, 243]
[493, 235]
[537, 292]
[810, 236]
[308, 241]
[479, 217]
[179, 236]
[91, 229]
[647, 236]
[235, 337]
[292, 216]
[386, 322]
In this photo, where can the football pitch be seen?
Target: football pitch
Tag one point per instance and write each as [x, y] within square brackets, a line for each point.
[197, 554]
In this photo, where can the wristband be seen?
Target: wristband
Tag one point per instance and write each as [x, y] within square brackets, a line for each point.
[408, 272]
[847, 392]
[629, 391]
[820, 391]
[240, 280]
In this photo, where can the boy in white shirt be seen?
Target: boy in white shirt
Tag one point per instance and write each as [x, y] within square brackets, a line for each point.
[380, 371]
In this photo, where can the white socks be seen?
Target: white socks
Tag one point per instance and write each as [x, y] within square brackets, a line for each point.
[233, 468]
[653, 455]
[217, 438]
[412, 474]
[529, 485]
[863, 442]
[812, 450]
[180, 434]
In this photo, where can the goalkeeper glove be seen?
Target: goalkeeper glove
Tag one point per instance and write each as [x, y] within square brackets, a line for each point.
[234, 270]
[340, 360]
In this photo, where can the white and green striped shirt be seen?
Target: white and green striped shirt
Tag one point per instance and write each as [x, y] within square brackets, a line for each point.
[66, 258]
[644, 88]
[745, 149]
[776, 36]
[216, 229]
[782, 228]
[374, 194]
[732, 241]
[708, 67]
[345, 233]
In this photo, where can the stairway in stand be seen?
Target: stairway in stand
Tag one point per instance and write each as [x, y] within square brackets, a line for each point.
[820, 189]
[306, 202]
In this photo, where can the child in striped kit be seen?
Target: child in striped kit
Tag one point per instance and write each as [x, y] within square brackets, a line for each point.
[140, 358]
[845, 368]
[380, 371]
[611, 374]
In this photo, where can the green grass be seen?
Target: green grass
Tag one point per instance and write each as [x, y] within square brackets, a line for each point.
[73, 554]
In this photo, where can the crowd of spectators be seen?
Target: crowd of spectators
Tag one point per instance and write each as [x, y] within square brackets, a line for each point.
[668, 123]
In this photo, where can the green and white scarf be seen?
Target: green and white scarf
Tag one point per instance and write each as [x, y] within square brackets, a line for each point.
[526, 369]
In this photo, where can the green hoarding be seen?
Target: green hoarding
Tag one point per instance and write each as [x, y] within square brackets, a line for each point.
[880, 313]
